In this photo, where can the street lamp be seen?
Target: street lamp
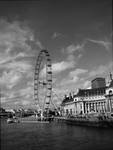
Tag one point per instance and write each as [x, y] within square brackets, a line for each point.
[110, 94]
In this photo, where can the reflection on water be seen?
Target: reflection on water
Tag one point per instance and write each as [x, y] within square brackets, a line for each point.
[53, 136]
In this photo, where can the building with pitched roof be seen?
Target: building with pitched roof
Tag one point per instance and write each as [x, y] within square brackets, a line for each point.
[88, 101]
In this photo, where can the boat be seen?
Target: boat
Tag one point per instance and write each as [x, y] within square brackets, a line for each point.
[12, 120]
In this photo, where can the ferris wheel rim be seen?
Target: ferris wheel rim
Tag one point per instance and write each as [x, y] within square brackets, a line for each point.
[43, 53]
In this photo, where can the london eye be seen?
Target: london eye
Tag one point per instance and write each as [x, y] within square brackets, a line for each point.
[43, 80]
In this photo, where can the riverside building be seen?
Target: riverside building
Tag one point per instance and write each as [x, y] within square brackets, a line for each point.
[98, 99]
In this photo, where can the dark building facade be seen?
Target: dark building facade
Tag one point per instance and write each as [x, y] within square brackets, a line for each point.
[98, 83]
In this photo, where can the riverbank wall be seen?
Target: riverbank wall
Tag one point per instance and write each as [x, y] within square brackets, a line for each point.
[92, 122]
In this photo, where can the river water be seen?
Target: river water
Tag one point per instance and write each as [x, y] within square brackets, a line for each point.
[54, 136]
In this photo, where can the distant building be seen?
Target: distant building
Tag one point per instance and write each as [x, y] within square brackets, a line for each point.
[87, 101]
[68, 105]
[98, 83]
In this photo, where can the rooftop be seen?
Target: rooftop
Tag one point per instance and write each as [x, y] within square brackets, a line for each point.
[98, 78]
[67, 99]
[91, 92]
[85, 93]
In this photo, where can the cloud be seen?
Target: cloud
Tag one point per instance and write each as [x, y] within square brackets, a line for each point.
[59, 67]
[16, 41]
[15, 33]
[7, 58]
[74, 51]
[27, 91]
[80, 55]
[63, 65]
[22, 97]
[101, 70]
[39, 44]
[15, 98]
[71, 60]
[21, 66]
[73, 77]
[77, 72]
[105, 43]
[81, 78]
[15, 72]
[86, 84]
[16, 66]
[73, 48]
[56, 35]
[10, 79]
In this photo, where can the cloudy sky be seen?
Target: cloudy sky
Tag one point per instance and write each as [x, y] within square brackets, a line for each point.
[77, 34]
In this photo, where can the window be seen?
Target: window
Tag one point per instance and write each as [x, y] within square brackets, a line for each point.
[70, 111]
[110, 92]
[67, 112]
